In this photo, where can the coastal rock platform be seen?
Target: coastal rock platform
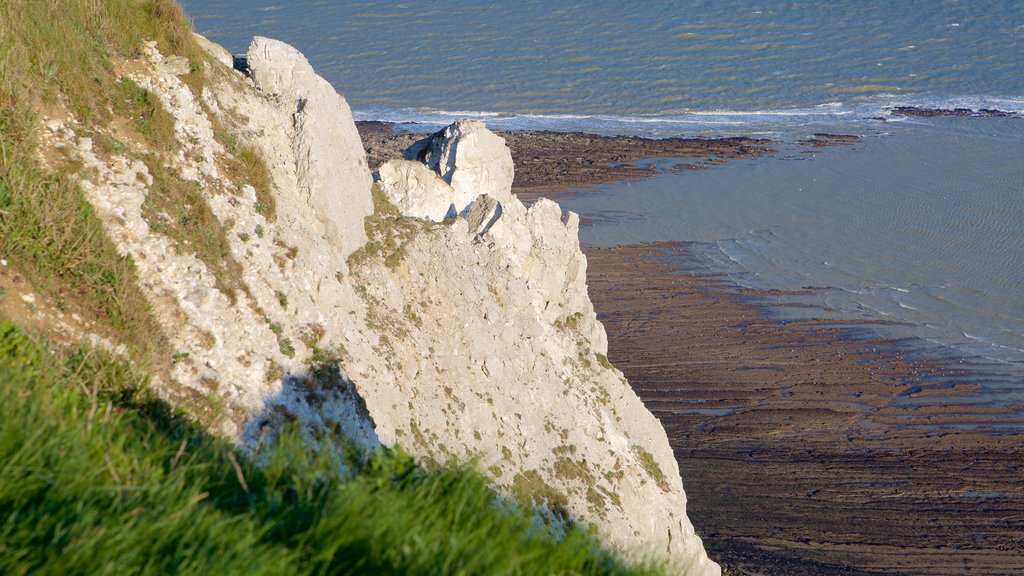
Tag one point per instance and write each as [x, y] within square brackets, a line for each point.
[812, 446]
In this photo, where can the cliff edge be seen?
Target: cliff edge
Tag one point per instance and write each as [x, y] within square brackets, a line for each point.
[429, 309]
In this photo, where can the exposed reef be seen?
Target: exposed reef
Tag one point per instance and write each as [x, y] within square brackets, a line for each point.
[923, 111]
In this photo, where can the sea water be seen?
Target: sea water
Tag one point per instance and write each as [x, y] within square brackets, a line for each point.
[920, 223]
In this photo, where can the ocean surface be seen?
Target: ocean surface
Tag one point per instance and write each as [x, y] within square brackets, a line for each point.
[920, 223]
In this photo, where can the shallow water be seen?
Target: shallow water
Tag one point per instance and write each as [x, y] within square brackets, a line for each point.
[921, 222]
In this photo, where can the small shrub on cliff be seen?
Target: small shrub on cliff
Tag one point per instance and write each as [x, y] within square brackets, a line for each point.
[650, 466]
[387, 232]
[248, 167]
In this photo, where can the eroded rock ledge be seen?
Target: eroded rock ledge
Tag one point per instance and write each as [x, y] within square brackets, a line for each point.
[438, 312]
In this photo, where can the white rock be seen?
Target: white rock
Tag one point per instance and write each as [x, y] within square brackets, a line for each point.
[417, 191]
[333, 176]
[176, 65]
[482, 215]
[249, 193]
[543, 389]
[215, 50]
[471, 158]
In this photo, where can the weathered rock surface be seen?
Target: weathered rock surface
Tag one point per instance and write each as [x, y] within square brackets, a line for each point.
[218, 52]
[469, 337]
[417, 190]
[328, 154]
[484, 162]
[516, 359]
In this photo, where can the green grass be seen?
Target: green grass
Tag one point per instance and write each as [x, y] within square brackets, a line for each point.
[193, 225]
[145, 113]
[50, 233]
[246, 165]
[67, 47]
[651, 467]
[98, 478]
[60, 54]
[387, 232]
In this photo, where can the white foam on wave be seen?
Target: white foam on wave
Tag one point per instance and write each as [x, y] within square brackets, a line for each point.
[852, 115]
[1009, 104]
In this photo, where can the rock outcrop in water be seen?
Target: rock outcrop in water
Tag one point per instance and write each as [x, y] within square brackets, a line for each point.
[451, 320]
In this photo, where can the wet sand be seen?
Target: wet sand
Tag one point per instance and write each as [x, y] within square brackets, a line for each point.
[811, 447]
[807, 447]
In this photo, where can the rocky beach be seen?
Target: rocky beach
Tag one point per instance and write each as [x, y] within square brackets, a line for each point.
[810, 445]
[535, 288]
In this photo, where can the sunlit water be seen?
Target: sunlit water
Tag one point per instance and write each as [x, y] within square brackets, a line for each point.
[921, 222]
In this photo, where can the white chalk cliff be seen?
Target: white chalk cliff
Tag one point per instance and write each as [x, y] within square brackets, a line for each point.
[457, 319]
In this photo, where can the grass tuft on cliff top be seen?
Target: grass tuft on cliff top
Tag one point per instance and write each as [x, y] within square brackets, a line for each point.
[96, 477]
[57, 55]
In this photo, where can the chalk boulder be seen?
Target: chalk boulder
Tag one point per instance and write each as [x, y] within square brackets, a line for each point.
[333, 176]
[471, 158]
[417, 191]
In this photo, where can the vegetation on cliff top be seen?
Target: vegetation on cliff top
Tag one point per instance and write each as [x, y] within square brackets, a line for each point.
[60, 55]
[97, 476]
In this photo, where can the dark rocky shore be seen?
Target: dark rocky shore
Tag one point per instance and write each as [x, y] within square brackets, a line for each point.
[810, 447]
[550, 163]
[950, 112]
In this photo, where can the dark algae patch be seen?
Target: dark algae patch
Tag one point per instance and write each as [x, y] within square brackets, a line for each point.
[926, 112]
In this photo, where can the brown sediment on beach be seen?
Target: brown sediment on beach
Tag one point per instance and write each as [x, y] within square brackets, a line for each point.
[382, 141]
[814, 446]
[551, 163]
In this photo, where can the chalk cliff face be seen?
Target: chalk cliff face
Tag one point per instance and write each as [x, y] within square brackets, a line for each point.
[436, 312]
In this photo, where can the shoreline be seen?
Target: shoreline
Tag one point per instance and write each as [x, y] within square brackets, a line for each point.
[860, 454]
[807, 424]
[554, 163]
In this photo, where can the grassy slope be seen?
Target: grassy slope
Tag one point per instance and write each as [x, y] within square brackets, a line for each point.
[97, 477]
[54, 54]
